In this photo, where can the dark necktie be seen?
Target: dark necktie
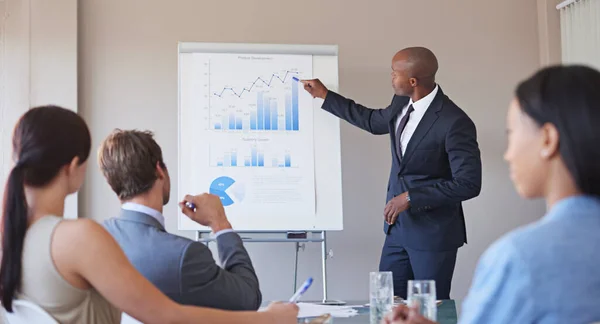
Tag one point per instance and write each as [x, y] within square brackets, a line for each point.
[403, 122]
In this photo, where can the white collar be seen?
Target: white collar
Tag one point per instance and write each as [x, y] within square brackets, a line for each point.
[145, 210]
[424, 103]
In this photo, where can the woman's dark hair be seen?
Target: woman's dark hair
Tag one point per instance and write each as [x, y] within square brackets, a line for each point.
[569, 98]
[45, 139]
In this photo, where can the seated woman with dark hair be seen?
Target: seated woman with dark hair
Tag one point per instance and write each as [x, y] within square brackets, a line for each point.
[548, 271]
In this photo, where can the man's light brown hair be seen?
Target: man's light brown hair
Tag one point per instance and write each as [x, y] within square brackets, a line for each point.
[128, 159]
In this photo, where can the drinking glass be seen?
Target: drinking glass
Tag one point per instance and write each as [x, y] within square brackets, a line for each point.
[381, 295]
[421, 294]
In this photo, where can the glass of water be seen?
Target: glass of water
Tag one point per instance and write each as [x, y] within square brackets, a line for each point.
[421, 294]
[381, 295]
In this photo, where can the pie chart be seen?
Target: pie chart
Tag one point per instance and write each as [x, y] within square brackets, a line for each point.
[228, 190]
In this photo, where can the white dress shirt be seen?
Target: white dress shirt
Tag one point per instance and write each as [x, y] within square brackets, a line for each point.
[145, 210]
[158, 215]
[420, 107]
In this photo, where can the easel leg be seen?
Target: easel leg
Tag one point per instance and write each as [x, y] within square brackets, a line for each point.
[324, 265]
[324, 256]
[296, 268]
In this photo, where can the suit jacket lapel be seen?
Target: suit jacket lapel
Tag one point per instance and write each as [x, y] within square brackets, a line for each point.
[397, 109]
[138, 217]
[431, 115]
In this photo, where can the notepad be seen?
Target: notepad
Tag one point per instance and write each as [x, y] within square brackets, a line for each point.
[308, 310]
[314, 310]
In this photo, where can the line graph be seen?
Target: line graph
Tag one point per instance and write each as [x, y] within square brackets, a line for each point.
[268, 84]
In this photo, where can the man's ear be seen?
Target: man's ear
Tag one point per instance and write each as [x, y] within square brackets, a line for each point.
[160, 171]
[413, 82]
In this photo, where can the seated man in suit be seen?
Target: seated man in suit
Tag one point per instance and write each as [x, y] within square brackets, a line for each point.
[184, 270]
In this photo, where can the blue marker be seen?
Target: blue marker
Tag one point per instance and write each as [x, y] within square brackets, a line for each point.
[295, 79]
[302, 290]
[190, 205]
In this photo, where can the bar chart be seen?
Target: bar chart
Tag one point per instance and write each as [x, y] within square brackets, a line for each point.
[252, 156]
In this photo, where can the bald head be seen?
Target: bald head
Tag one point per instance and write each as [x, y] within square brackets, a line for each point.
[420, 62]
[414, 67]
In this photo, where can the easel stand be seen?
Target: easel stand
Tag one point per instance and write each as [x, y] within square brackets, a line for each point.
[299, 238]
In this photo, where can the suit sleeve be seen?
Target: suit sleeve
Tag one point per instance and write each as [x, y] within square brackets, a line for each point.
[233, 287]
[374, 121]
[465, 162]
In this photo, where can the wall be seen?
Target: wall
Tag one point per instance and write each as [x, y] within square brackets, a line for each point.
[128, 79]
[38, 66]
[14, 59]
[549, 32]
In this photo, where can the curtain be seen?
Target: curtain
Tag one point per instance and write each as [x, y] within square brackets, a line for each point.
[580, 31]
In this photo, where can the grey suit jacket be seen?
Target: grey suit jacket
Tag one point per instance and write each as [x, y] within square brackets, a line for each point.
[184, 269]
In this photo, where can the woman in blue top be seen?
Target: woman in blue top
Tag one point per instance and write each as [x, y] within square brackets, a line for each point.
[548, 271]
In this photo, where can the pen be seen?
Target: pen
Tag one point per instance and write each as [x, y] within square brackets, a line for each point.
[302, 290]
[295, 79]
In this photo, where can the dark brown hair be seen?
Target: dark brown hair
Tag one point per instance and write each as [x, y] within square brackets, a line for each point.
[45, 140]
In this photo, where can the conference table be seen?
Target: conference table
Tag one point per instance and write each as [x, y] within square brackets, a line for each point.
[446, 314]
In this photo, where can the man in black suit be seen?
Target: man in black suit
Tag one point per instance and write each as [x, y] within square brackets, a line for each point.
[436, 165]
